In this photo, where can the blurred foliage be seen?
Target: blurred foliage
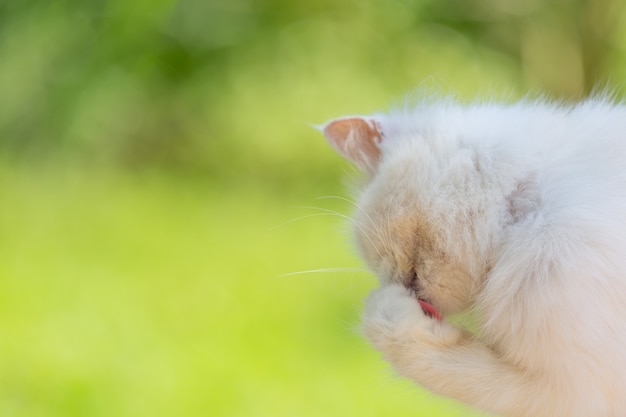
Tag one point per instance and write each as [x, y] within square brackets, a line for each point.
[226, 89]
[146, 296]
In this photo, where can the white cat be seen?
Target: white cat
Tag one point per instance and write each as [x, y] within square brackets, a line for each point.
[517, 211]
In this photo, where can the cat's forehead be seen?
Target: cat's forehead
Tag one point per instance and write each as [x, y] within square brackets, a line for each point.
[398, 213]
[395, 188]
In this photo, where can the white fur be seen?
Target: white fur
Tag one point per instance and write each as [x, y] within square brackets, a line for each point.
[526, 206]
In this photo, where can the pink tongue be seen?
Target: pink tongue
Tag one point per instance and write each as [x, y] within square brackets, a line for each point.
[430, 310]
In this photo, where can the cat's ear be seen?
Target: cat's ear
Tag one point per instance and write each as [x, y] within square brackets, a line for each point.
[356, 138]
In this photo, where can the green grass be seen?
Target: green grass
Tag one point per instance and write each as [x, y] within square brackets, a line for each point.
[148, 296]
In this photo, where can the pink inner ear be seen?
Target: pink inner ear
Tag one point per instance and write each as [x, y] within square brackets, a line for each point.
[357, 139]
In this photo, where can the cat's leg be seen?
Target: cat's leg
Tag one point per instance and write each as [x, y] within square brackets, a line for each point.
[449, 361]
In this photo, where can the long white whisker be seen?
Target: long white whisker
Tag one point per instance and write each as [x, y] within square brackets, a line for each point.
[357, 206]
[315, 271]
[361, 226]
[369, 227]
[337, 197]
[365, 228]
[329, 211]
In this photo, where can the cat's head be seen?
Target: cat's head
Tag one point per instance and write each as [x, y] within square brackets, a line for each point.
[411, 224]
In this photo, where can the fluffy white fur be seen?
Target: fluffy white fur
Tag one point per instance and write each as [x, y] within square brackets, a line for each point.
[517, 211]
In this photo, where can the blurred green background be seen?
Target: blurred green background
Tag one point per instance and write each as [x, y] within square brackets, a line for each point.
[163, 193]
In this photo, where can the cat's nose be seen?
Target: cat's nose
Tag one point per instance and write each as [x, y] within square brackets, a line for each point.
[411, 281]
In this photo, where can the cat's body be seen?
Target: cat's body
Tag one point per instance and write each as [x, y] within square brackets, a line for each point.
[517, 211]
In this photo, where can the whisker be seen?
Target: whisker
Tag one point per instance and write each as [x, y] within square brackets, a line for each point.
[328, 211]
[361, 226]
[352, 202]
[316, 271]
[337, 197]
[369, 228]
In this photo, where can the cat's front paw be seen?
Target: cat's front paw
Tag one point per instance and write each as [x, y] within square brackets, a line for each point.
[393, 306]
[394, 317]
